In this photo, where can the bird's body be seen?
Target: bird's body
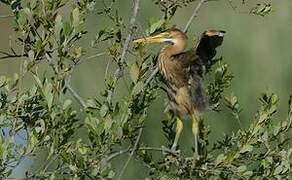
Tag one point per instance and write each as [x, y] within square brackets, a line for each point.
[183, 71]
[183, 79]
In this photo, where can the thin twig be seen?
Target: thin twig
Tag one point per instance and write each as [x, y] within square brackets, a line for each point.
[96, 55]
[8, 55]
[159, 149]
[67, 84]
[76, 95]
[195, 13]
[154, 72]
[119, 72]
[107, 159]
[6, 16]
[131, 154]
[130, 30]
[51, 63]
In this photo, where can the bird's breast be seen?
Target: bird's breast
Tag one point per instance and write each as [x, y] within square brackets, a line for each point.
[173, 72]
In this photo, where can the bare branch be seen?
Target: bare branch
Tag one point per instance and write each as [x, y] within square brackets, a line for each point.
[96, 55]
[130, 30]
[67, 84]
[119, 71]
[107, 159]
[8, 55]
[76, 95]
[195, 13]
[6, 16]
[131, 154]
[152, 75]
[104, 161]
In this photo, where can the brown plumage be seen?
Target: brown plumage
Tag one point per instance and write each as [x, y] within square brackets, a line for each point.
[183, 74]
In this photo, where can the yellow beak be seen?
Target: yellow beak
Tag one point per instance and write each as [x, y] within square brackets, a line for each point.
[162, 37]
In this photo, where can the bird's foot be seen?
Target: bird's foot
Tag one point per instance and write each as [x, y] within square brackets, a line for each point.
[173, 150]
[196, 156]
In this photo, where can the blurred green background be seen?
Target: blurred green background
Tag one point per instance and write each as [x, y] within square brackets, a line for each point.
[258, 50]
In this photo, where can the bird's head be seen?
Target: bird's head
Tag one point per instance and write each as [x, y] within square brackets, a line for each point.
[176, 39]
[172, 36]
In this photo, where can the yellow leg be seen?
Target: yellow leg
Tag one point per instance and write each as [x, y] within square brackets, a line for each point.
[178, 130]
[195, 130]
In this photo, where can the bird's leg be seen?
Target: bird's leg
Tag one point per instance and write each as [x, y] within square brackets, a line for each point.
[178, 130]
[195, 130]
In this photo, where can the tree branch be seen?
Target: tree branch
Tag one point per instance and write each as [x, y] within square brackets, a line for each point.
[76, 95]
[119, 71]
[195, 13]
[130, 30]
[131, 154]
[8, 55]
[6, 16]
[107, 159]
[152, 75]
[67, 84]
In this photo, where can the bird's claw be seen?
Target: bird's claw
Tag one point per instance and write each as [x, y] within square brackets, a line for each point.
[193, 158]
[173, 150]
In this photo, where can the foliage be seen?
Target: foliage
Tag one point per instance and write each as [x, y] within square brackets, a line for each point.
[47, 120]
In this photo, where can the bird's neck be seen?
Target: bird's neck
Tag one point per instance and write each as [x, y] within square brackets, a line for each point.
[172, 50]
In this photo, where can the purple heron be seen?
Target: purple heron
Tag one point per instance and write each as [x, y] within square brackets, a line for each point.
[182, 72]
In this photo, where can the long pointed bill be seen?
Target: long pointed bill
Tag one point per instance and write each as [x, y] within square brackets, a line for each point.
[162, 37]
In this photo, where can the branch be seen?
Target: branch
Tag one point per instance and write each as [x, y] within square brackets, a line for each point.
[154, 72]
[96, 55]
[195, 13]
[76, 95]
[6, 16]
[107, 159]
[119, 71]
[67, 84]
[130, 30]
[131, 155]
[8, 55]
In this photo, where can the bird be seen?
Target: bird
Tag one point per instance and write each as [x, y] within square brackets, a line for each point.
[183, 73]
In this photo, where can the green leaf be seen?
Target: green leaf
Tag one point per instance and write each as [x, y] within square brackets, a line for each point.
[76, 17]
[103, 110]
[220, 158]
[155, 26]
[108, 123]
[137, 88]
[2, 81]
[134, 72]
[278, 170]
[246, 148]
[58, 26]
[31, 55]
[48, 94]
[242, 168]
[38, 81]
[277, 129]
[67, 104]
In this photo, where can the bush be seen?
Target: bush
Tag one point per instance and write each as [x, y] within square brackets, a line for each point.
[81, 141]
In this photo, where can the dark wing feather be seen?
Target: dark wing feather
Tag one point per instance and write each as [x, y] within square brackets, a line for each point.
[210, 40]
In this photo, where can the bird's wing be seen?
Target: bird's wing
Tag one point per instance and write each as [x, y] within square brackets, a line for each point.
[187, 58]
[210, 40]
[194, 70]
